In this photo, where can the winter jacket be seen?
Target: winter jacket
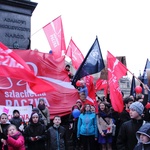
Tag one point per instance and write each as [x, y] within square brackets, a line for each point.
[33, 130]
[17, 121]
[124, 116]
[17, 143]
[145, 130]
[3, 133]
[126, 139]
[87, 125]
[45, 115]
[56, 138]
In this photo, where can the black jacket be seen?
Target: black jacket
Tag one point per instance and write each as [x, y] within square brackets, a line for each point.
[33, 130]
[17, 121]
[56, 138]
[126, 139]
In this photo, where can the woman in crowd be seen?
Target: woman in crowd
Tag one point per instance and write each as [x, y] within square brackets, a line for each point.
[35, 133]
[44, 111]
[105, 126]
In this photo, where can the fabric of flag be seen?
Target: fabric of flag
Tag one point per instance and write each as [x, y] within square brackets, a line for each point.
[75, 54]
[145, 78]
[101, 85]
[91, 98]
[92, 63]
[55, 36]
[116, 70]
[133, 85]
[12, 65]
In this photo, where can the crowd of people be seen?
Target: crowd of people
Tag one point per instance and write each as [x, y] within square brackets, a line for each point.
[110, 130]
[103, 129]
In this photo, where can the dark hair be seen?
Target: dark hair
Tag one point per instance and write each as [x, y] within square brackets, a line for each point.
[56, 117]
[4, 115]
[127, 100]
[16, 111]
[68, 65]
[83, 111]
[105, 112]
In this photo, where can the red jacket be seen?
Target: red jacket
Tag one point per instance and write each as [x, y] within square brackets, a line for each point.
[16, 144]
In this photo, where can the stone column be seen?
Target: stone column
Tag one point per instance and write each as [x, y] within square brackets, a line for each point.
[15, 23]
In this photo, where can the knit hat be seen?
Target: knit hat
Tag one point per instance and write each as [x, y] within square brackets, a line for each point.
[138, 107]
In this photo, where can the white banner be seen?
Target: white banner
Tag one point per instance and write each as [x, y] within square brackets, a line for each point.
[25, 111]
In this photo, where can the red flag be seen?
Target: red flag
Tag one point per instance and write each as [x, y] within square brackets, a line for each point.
[116, 70]
[75, 54]
[101, 84]
[11, 65]
[91, 98]
[55, 36]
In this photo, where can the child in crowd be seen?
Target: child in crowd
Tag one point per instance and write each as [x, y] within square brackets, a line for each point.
[56, 136]
[16, 119]
[15, 139]
[35, 133]
[127, 134]
[143, 137]
[3, 131]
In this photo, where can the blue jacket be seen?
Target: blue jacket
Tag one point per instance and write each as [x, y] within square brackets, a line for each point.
[87, 124]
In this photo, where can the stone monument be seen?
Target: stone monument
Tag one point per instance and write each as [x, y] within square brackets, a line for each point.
[15, 23]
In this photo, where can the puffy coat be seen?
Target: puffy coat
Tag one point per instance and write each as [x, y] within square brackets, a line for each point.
[56, 138]
[16, 144]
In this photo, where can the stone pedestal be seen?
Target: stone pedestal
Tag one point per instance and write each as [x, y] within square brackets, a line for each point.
[15, 23]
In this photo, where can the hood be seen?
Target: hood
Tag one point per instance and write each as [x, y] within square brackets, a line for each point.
[145, 129]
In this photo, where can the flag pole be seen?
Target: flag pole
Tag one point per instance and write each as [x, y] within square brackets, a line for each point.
[36, 32]
[138, 80]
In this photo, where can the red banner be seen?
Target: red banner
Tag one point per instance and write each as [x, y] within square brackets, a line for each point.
[13, 92]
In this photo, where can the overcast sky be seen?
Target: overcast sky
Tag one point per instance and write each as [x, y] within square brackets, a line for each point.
[122, 27]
